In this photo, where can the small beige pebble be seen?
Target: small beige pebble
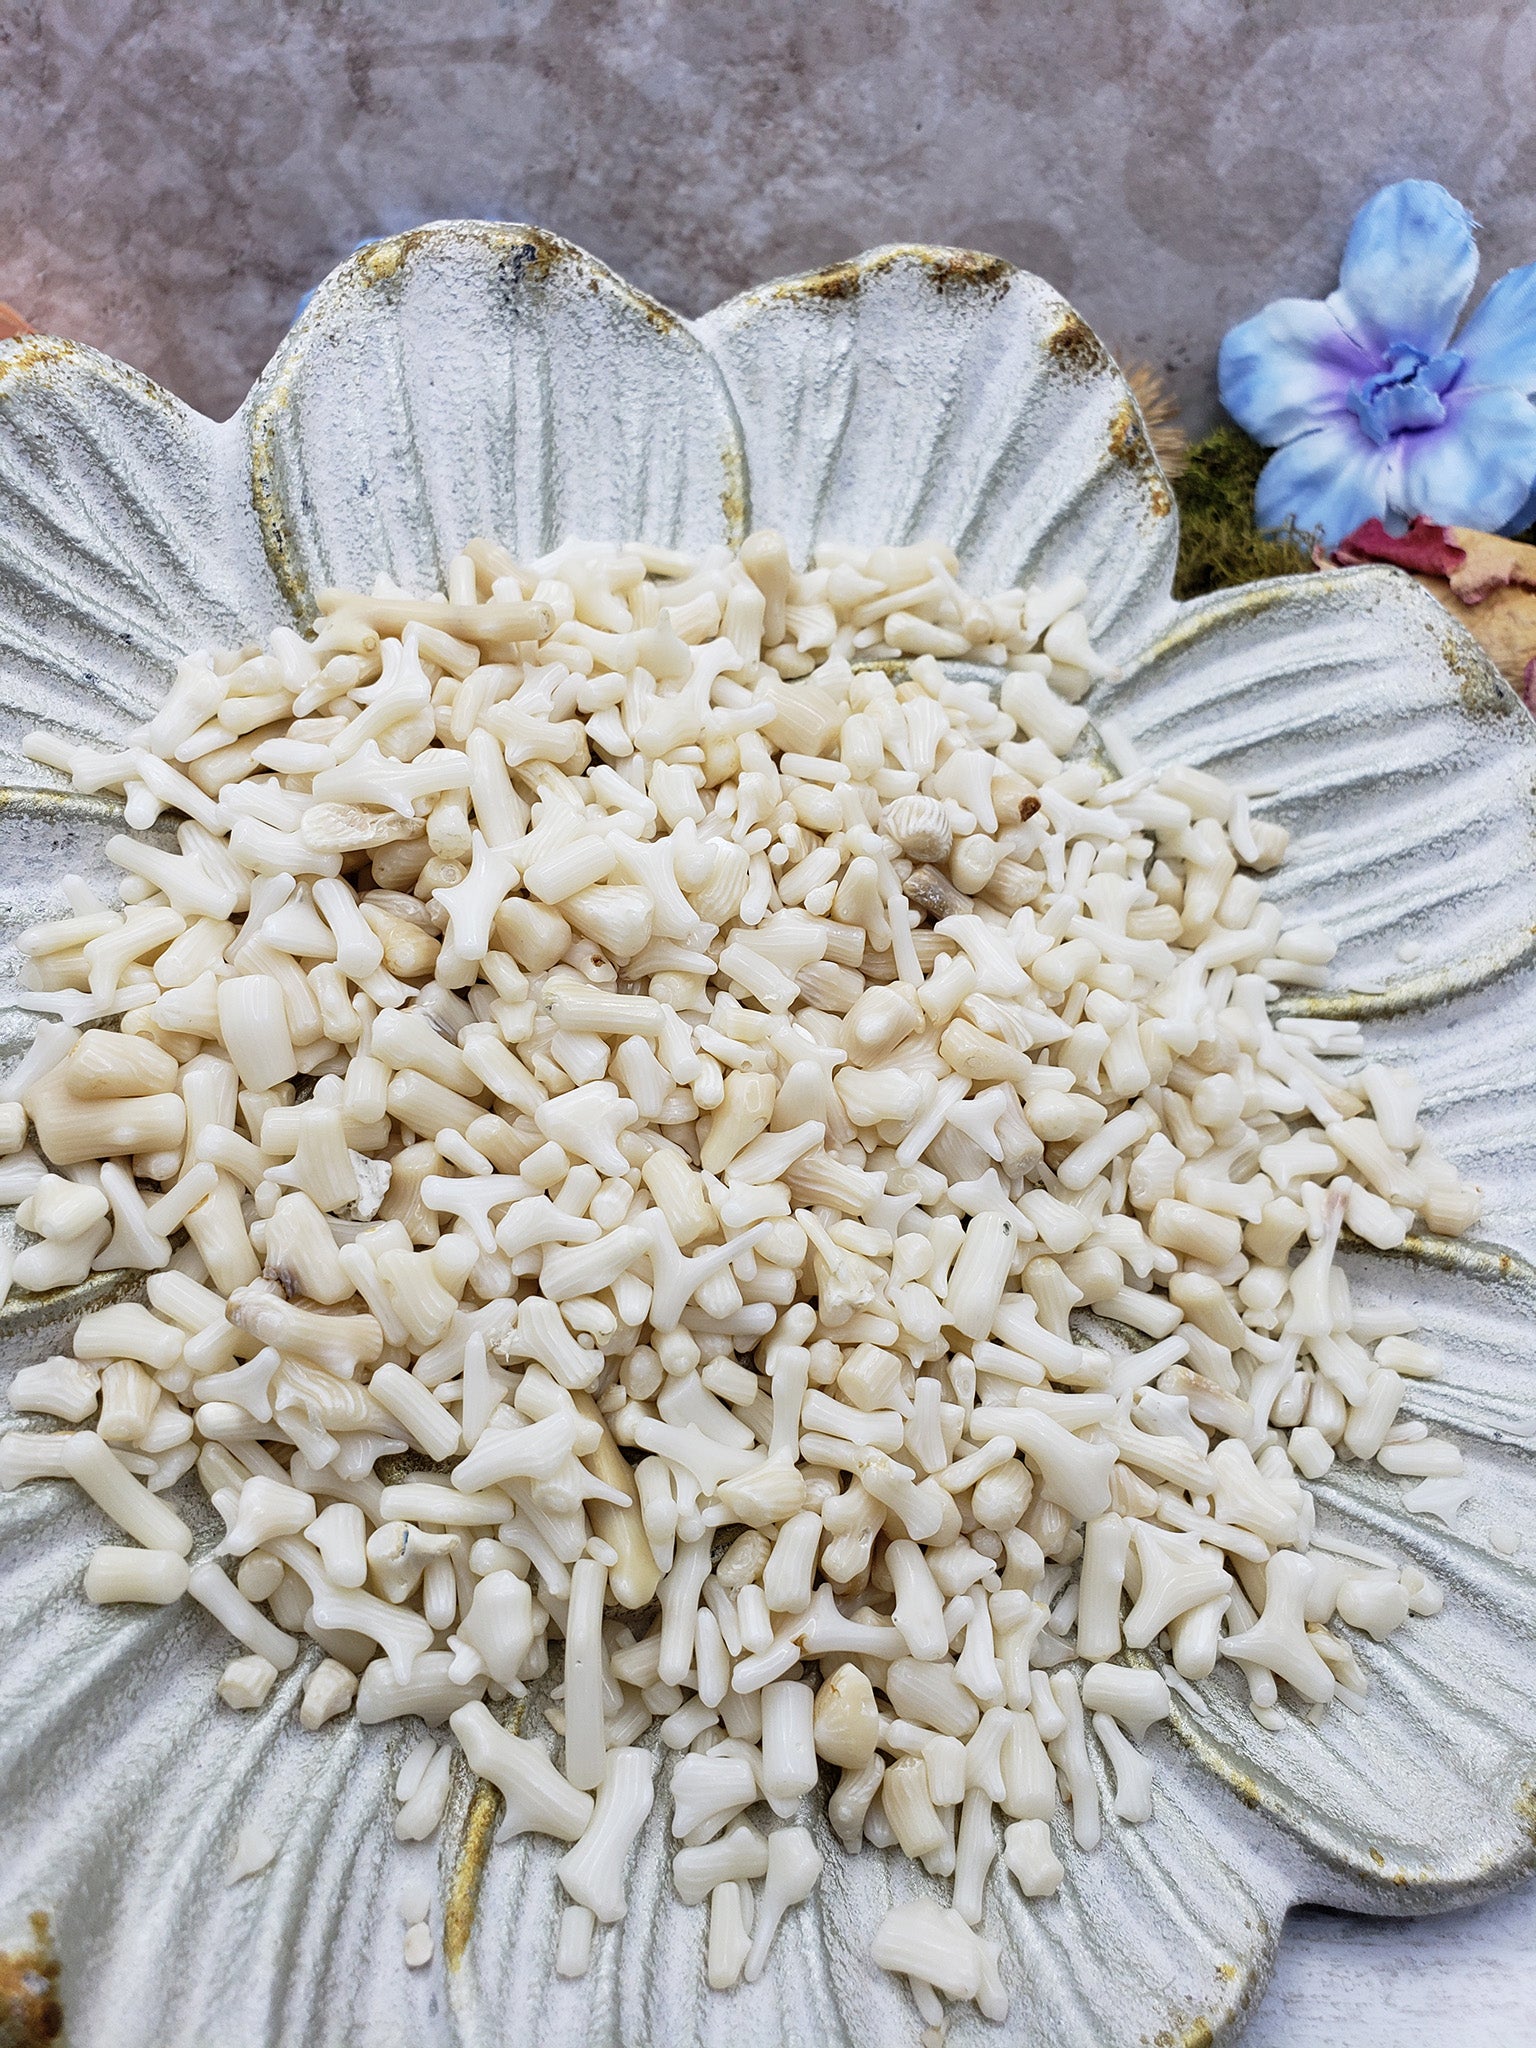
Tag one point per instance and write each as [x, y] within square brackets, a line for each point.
[246, 1682]
[418, 1945]
[1503, 1538]
[1409, 951]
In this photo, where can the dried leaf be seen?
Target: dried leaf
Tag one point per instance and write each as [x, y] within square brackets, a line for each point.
[1486, 582]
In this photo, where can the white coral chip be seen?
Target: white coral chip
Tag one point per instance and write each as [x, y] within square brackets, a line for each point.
[650, 1061]
[254, 1849]
[931, 1944]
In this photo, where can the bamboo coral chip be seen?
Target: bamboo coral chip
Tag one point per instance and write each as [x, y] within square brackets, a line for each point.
[798, 1156]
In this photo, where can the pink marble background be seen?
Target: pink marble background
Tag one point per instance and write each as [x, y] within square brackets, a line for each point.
[172, 176]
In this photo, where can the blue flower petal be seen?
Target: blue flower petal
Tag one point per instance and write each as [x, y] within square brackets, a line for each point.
[1330, 480]
[1476, 470]
[1498, 344]
[1408, 267]
[1288, 369]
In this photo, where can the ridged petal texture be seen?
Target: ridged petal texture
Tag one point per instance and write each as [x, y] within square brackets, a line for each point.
[128, 537]
[483, 379]
[1405, 773]
[933, 394]
[472, 379]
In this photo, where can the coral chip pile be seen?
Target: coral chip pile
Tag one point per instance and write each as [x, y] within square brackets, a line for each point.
[676, 1141]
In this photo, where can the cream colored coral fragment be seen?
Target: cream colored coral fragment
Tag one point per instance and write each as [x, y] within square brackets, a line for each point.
[645, 1041]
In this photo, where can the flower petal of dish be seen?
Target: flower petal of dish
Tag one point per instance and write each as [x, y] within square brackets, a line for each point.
[133, 1839]
[1164, 1925]
[1426, 1787]
[1380, 736]
[1169, 1922]
[1477, 1309]
[473, 379]
[1177, 1920]
[1470, 1051]
[918, 394]
[1423, 1797]
[128, 538]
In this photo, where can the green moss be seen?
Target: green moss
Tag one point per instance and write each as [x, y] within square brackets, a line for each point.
[1219, 544]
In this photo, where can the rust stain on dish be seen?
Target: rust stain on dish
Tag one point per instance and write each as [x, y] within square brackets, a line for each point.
[1482, 690]
[1243, 1981]
[536, 251]
[1196, 2033]
[964, 270]
[534, 254]
[946, 270]
[381, 261]
[1128, 444]
[1396, 1874]
[1073, 346]
[660, 317]
[30, 2011]
[837, 281]
[36, 352]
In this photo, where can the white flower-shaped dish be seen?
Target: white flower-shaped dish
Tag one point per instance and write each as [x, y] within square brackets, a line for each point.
[472, 379]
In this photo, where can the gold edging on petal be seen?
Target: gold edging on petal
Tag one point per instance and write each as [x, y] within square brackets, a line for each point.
[1473, 1260]
[473, 1854]
[469, 1870]
[37, 355]
[36, 800]
[266, 499]
[947, 269]
[1412, 992]
[379, 264]
[23, 1311]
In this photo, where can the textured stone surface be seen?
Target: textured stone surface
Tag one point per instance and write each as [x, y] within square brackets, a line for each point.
[174, 175]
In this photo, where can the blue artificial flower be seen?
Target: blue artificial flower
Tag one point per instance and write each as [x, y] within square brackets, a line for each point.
[1373, 413]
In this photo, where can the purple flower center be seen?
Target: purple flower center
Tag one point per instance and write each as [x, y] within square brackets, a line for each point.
[1404, 398]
